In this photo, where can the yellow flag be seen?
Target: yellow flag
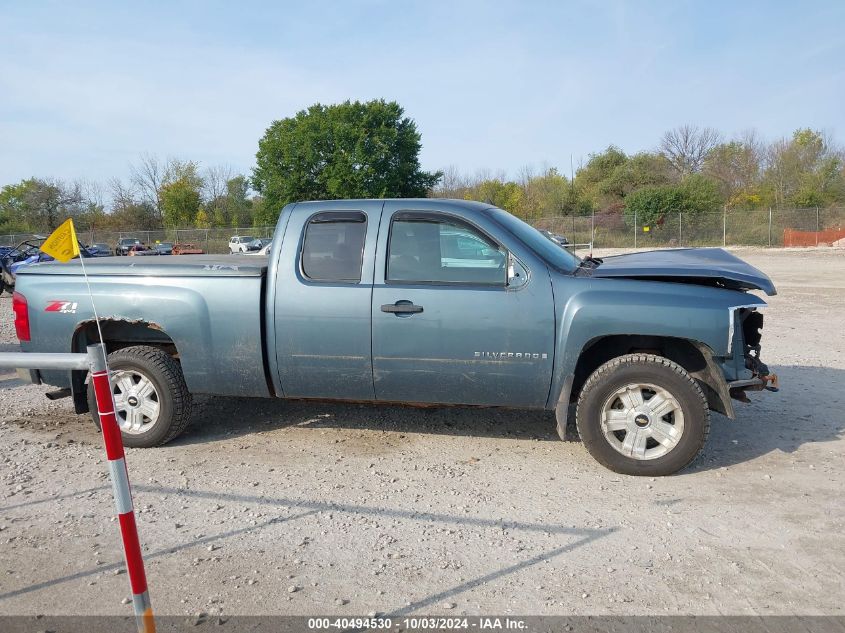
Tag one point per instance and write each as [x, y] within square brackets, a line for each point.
[62, 244]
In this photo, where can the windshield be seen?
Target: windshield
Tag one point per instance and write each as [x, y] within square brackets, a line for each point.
[555, 255]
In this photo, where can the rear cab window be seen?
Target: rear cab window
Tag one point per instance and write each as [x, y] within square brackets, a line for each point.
[333, 246]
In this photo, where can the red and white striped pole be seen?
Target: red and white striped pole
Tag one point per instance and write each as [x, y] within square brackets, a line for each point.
[120, 486]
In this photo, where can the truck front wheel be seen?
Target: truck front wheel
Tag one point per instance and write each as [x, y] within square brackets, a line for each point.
[642, 414]
[152, 402]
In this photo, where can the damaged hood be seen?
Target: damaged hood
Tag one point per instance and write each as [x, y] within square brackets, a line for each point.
[707, 266]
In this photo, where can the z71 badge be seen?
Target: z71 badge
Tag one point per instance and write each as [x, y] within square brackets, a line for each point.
[65, 307]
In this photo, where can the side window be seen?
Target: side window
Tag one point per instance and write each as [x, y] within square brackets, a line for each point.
[333, 248]
[440, 249]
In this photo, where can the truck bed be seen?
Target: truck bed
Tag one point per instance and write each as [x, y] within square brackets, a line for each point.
[210, 306]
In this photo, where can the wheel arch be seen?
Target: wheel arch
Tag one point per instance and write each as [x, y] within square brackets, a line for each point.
[695, 357]
[117, 334]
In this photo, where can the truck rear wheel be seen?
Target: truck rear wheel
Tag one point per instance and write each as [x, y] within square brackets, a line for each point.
[152, 402]
[642, 414]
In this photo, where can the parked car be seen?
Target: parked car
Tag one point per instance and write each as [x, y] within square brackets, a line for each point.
[186, 248]
[239, 244]
[99, 249]
[264, 251]
[140, 249]
[124, 244]
[25, 254]
[560, 240]
[164, 248]
[257, 244]
[356, 303]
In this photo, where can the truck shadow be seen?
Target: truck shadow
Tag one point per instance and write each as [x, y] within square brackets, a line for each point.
[809, 408]
[229, 417]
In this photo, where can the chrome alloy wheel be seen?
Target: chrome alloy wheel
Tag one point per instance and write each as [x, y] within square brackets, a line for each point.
[136, 402]
[642, 421]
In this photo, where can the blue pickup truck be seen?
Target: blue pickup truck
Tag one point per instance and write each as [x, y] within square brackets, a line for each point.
[419, 301]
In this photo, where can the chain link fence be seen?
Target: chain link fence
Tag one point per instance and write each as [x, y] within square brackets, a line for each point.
[758, 227]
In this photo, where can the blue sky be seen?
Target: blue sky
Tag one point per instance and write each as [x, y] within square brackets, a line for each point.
[87, 87]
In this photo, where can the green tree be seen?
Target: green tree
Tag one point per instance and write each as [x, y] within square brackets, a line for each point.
[180, 201]
[41, 204]
[348, 150]
[14, 212]
[589, 179]
[696, 194]
[505, 195]
[545, 194]
[238, 202]
[600, 166]
[650, 204]
[804, 171]
[201, 220]
[135, 215]
[735, 167]
[218, 218]
[638, 171]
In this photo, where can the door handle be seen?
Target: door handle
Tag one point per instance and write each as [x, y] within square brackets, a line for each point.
[401, 307]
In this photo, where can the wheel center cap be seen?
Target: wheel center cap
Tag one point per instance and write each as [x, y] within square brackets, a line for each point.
[642, 420]
[133, 401]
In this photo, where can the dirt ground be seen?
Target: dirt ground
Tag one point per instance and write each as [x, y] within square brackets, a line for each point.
[267, 507]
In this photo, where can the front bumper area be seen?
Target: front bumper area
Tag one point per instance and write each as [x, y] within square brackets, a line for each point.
[761, 377]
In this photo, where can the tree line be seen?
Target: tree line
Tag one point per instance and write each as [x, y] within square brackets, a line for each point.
[371, 150]
[158, 194]
[693, 170]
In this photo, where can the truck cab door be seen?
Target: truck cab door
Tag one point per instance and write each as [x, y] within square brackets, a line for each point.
[323, 293]
[459, 315]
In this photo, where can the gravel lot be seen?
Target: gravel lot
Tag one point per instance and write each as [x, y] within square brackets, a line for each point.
[267, 507]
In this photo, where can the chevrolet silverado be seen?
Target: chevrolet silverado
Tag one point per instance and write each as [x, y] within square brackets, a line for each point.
[433, 301]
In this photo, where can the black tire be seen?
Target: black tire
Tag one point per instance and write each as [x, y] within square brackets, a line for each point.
[650, 370]
[174, 400]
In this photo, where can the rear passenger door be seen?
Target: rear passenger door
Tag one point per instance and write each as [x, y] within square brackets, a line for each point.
[448, 325]
[323, 298]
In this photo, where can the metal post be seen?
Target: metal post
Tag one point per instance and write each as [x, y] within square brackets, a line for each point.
[42, 360]
[206, 240]
[120, 485]
[680, 230]
[770, 227]
[725, 225]
[818, 228]
[635, 229]
[592, 229]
